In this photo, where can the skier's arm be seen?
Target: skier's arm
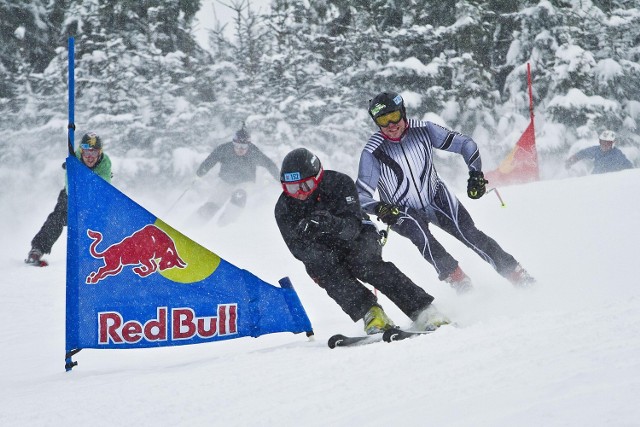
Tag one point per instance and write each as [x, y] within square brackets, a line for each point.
[621, 161]
[625, 163]
[209, 162]
[448, 140]
[348, 212]
[585, 153]
[342, 219]
[368, 176]
[268, 164]
[306, 250]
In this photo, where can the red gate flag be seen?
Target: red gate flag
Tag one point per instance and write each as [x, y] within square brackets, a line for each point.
[521, 164]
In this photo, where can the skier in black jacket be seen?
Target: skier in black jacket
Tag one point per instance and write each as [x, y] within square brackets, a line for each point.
[320, 219]
[239, 160]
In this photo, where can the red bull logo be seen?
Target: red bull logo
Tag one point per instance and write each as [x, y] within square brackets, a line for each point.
[185, 325]
[148, 249]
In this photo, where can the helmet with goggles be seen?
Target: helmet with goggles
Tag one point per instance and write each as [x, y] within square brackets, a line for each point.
[91, 141]
[301, 173]
[387, 107]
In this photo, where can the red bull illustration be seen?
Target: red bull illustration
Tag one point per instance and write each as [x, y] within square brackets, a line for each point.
[149, 249]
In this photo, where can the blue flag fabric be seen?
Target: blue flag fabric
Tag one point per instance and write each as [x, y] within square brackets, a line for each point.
[133, 281]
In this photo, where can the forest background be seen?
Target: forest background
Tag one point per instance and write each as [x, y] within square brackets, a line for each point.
[301, 74]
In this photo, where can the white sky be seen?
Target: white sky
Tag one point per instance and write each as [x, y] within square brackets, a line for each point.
[211, 10]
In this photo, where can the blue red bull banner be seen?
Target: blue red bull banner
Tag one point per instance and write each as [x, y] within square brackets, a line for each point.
[133, 281]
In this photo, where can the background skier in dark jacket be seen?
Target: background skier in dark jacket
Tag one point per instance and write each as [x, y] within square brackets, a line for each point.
[397, 161]
[320, 219]
[239, 161]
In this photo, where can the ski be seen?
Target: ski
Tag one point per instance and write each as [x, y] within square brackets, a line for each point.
[39, 263]
[390, 335]
[340, 340]
[397, 334]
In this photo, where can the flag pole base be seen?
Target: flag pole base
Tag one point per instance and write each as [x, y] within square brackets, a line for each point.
[68, 363]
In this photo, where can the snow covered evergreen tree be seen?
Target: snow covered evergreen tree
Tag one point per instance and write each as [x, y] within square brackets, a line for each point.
[303, 73]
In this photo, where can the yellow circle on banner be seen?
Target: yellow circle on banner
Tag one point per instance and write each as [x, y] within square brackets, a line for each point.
[200, 262]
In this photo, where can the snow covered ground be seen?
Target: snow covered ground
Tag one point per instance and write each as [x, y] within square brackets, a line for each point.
[565, 353]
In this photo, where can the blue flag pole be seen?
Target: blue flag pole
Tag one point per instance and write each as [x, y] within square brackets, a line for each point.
[71, 293]
[71, 127]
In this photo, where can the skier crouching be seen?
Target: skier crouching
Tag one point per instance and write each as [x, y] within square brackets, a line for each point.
[323, 225]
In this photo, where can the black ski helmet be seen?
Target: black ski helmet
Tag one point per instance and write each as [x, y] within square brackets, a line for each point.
[299, 164]
[386, 102]
[91, 140]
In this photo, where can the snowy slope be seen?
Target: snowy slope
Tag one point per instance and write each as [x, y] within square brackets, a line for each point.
[564, 353]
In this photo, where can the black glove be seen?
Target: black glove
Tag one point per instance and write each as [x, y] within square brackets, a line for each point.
[318, 223]
[387, 212]
[476, 185]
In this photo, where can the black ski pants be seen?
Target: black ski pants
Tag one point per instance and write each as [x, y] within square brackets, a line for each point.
[448, 214]
[344, 265]
[52, 227]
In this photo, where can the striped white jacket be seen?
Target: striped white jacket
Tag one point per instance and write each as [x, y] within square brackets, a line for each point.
[403, 171]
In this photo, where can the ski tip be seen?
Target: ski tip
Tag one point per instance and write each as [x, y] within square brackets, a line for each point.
[335, 340]
[390, 334]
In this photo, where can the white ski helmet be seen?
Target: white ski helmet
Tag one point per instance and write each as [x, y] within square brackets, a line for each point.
[608, 135]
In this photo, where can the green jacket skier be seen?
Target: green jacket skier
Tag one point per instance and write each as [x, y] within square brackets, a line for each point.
[91, 155]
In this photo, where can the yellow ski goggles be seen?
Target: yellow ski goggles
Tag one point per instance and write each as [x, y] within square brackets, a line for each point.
[392, 117]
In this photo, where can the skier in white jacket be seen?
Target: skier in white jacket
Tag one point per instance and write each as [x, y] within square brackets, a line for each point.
[398, 162]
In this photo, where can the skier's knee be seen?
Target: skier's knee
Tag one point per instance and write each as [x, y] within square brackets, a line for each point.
[208, 209]
[239, 198]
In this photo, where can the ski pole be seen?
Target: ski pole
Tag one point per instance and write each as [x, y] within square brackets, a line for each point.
[498, 194]
[385, 233]
[383, 241]
[385, 237]
[181, 196]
